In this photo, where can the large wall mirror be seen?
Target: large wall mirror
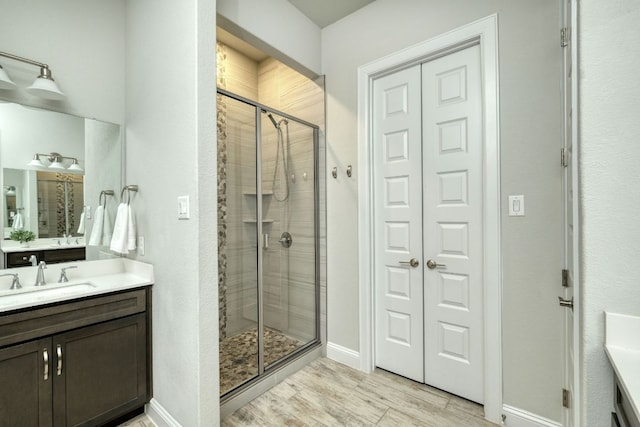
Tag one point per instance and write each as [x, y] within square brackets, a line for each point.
[49, 200]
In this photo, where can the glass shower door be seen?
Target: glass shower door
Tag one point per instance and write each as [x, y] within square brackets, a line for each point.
[267, 240]
[237, 243]
[289, 252]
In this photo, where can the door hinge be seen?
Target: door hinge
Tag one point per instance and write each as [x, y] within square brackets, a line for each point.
[564, 157]
[565, 278]
[566, 398]
[565, 36]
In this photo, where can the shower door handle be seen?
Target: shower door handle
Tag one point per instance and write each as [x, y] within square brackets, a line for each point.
[265, 241]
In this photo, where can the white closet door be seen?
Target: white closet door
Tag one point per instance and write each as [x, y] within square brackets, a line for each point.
[399, 335]
[452, 158]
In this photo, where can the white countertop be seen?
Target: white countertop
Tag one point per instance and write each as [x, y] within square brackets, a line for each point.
[90, 278]
[622, 344]
[42, 244]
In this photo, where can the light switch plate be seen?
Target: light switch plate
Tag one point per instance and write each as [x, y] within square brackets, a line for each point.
[516, 205]
[183, 207]
[141, 246]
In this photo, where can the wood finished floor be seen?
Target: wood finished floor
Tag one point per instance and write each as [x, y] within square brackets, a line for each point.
[327, 393]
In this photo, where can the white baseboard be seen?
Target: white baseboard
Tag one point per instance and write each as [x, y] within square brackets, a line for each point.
[160, 416]
[518, 418]
[343, 355]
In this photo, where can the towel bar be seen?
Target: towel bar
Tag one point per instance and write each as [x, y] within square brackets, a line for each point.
[105, 193]
[128, 189]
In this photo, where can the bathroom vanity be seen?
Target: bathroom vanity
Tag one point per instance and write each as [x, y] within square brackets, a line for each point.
[76, 353]
[51, 251]
[622, 345]
[50, 256]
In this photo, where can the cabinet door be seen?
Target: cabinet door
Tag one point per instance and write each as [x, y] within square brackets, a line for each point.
[25, 390]
[100, 372]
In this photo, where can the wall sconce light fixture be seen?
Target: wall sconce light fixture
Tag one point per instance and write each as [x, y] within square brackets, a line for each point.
[56, 162]
[9, 190]
[44, 86]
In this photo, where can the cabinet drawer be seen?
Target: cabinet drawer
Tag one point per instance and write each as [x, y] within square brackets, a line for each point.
[19, 326]
[64, 255]
[20, 259]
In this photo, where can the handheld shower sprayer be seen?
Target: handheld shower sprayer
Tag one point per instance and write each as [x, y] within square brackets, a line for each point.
[275, 124]
[281, 170]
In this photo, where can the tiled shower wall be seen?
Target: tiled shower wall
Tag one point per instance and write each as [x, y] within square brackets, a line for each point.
[289, 274]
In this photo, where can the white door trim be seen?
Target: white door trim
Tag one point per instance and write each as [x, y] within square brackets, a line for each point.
[486, 32]
[576, 399]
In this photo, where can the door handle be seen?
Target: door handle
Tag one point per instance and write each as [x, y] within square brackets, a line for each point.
[566, 302]
[45, 359]
[431, 264]
[413, 262]
[59, 353]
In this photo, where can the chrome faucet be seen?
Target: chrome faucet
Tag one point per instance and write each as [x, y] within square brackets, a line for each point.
[33, 260]
[15, 284]
[40, 281]
[63, 274]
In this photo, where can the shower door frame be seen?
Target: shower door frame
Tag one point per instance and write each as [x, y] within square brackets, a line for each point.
[262, 372]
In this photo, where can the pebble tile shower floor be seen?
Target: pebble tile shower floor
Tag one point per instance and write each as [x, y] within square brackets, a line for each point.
[239, 355]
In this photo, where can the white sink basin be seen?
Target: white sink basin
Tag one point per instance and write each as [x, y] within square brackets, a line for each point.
[41, 293]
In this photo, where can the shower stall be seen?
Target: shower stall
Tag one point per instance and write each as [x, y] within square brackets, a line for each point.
[268, 240]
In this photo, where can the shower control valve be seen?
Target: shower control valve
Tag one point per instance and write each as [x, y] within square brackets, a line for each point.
[286, 239]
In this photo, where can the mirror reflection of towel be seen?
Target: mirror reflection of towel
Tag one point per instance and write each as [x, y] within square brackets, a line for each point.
[18, 221]
[81, 226]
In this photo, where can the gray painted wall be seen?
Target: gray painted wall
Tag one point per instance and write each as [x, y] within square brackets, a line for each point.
[609, 152]
[171, 151]
[531, 132]
[83, 44]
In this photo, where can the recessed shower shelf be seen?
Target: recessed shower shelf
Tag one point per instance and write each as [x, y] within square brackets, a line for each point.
[253, 221]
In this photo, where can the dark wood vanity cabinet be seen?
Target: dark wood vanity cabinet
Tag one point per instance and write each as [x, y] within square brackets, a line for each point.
[50, 256]
[623, 415]
[25, 396]
[92, 367]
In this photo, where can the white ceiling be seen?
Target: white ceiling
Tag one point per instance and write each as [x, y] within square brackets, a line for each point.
[326, 12]
[321, 12]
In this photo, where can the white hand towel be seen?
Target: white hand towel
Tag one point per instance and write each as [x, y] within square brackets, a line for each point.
[18, 222]
[107, 228]
[81, 226]
[131, 229]
[119, 240]
[96, 231]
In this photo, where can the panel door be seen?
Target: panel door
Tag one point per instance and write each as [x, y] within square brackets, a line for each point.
[100, 371]
[452, 153]
[25, 394]
[399, 334]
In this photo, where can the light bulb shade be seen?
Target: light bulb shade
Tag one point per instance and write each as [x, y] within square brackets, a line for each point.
[5, 80]
[57, 165]
[46, 88]
[11, 191]
[75, 167]
[36, 162]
